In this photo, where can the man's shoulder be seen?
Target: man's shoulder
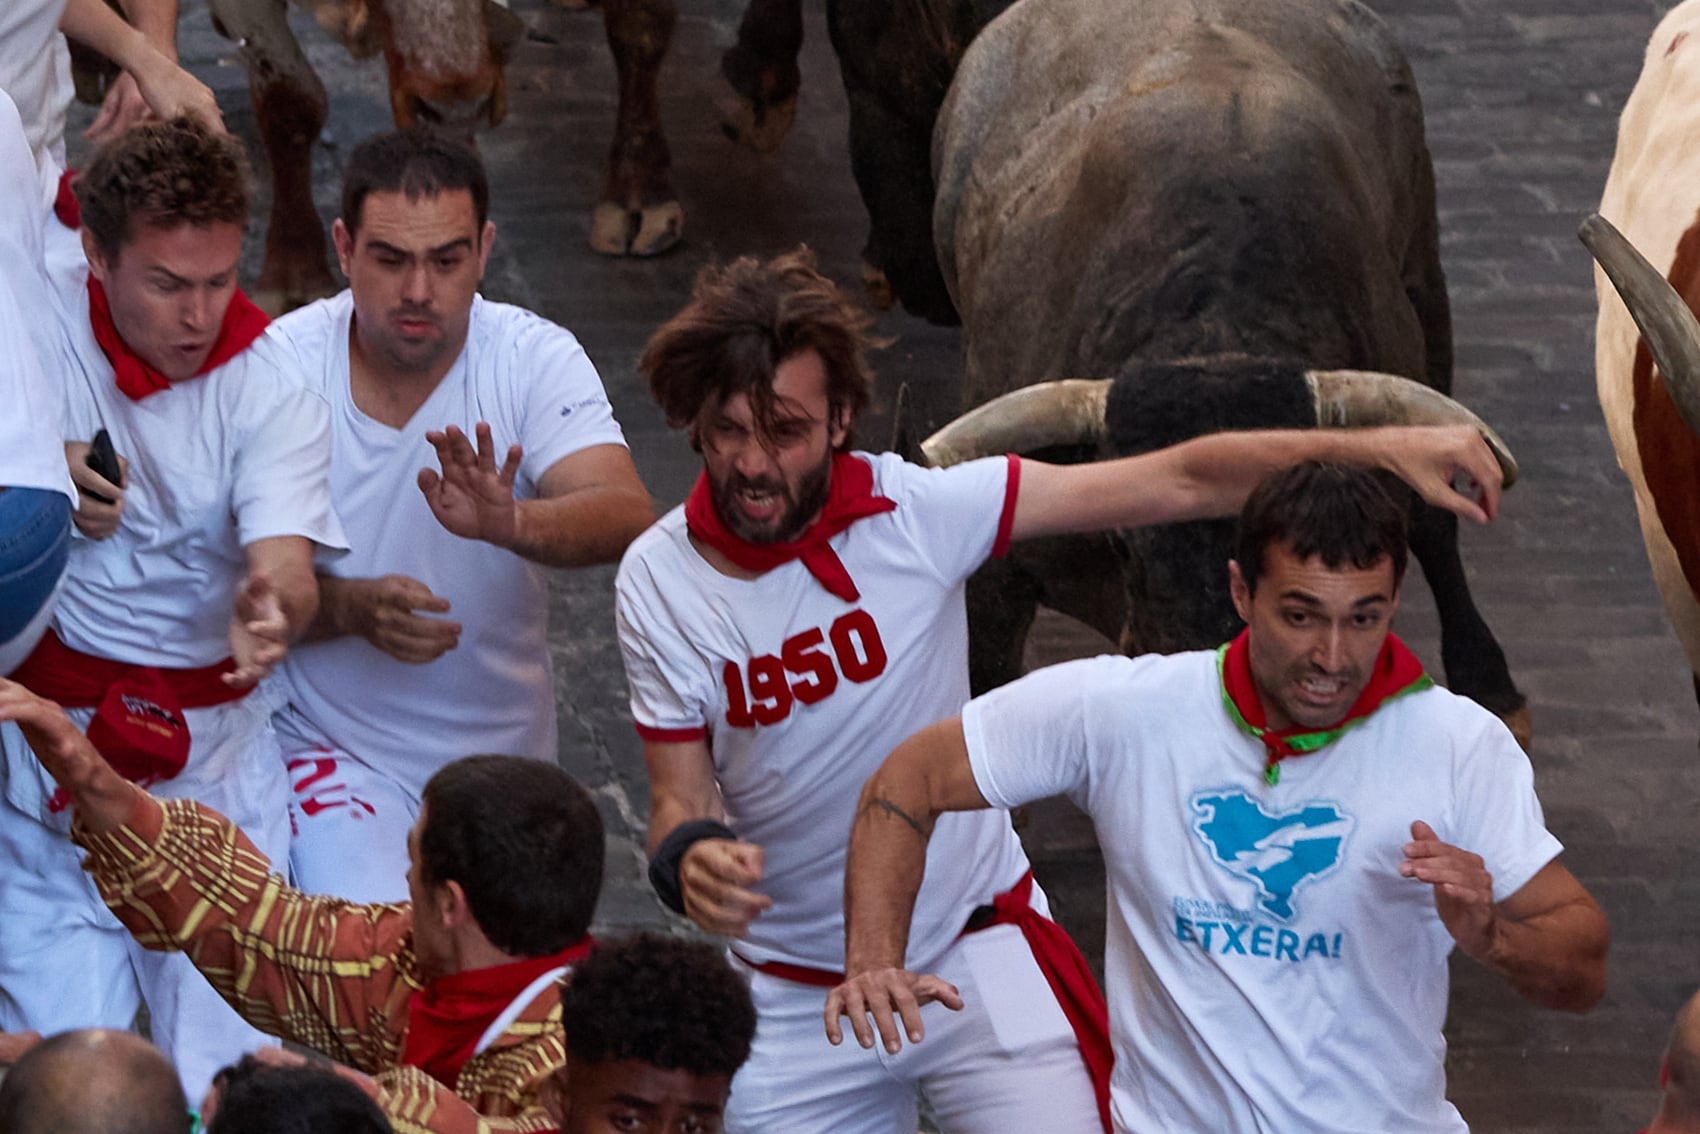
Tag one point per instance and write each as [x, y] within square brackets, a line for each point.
[305, 338]
[519, 329]
[657, 553]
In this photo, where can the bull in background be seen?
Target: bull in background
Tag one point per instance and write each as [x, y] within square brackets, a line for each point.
[1653, 195]
[445, 60]
[1224, 210]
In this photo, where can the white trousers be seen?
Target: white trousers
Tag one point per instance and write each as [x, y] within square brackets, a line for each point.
[66, 962]
[1007, 1063]
[348, 826]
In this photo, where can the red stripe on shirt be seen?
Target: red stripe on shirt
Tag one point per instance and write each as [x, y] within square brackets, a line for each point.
[1006, 519]
[670, 735]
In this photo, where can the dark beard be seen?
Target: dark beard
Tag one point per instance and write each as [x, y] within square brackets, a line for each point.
[792, 521]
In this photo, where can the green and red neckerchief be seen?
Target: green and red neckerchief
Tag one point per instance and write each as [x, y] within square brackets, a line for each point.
[1396, 673]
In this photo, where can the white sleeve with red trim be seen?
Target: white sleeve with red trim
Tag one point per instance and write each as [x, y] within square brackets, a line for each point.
[957, 517]
[672, 690]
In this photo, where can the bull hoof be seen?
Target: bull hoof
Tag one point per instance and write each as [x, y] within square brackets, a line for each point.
[650, 231]
[877, 287]
[757, 126]
[1522, 728]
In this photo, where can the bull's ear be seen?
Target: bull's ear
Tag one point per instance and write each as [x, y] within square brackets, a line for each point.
[903, 440]
[504, 29]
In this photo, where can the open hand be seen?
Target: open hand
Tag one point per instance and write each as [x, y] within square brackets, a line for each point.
[472, 497]
[888, 996]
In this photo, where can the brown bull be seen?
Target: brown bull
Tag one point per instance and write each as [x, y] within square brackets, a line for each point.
[1653, 196]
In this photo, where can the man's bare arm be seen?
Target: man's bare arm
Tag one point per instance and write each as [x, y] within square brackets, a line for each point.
[1212, 475]
[924, 777]
[1548, 940]
[717, 877]
[167, 88]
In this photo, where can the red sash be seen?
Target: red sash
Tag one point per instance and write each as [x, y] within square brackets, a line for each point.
[1396, 672]
[1059, 958]
[243, 323]
[448, 1016]
[850, 497]
[138, 724]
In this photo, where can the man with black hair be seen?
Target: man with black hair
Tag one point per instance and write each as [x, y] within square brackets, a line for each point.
[656, 1028]
[258, 1096]
[449, 1001]
[431, 636]
[93, 1081]
[1298, 828]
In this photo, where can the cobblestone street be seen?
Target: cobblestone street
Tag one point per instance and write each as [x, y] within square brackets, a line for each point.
[1522, 100]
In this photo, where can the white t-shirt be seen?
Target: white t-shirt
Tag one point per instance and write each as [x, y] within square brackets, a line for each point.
[237, 455]
[531, 380]
[31, 452]
[1267, 967]
[803, 695]
[35, 70]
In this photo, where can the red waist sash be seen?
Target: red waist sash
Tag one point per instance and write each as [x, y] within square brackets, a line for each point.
[1059, 958]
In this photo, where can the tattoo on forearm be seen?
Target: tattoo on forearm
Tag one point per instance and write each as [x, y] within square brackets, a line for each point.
[880, 803]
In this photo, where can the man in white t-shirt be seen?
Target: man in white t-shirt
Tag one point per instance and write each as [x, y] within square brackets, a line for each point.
[431, 639]
[183, 593]
[1297, 829]
[800, 615]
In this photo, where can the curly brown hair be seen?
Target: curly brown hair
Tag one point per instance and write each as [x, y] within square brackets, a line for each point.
[162, 174]
[742, 321]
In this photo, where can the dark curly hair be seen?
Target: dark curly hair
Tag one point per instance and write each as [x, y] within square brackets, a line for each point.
[742, 321]
[162, 174]
[524, 840]
[1341, 513]
[671, 1003]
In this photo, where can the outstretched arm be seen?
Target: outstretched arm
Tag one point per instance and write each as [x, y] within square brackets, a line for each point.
[167, 89]
[924, 777]
[104, 801]
[1549, 939]
[1212, 475]
[589, 506]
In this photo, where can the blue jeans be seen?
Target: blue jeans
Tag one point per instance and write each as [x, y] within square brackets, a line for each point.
[35, 541]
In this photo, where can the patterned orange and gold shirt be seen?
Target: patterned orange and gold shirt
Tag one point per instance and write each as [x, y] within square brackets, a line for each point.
[330, 975]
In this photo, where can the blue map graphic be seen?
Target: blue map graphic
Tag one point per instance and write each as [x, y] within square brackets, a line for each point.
[1276, 853]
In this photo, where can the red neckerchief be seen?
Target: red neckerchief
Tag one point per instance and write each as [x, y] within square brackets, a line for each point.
[1397, 672]
[447, 1017]
[243, 323]
[65, 204]
[850, 497]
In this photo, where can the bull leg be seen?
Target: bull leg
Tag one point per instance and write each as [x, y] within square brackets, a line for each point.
[639, 214]
[762, 71]
[1001, 599]
[290, 106]
[1475, 663]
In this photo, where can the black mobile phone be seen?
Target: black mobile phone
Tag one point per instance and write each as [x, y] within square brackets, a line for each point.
[103, 460]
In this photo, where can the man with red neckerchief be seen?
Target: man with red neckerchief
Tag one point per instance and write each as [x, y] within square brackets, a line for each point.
[446, 1008]
[799, 616]
[186, 585]
[1297, 828]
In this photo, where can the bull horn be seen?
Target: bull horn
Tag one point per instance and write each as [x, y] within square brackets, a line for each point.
[1359, 398]
[1668, 326]
[1070, 412]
